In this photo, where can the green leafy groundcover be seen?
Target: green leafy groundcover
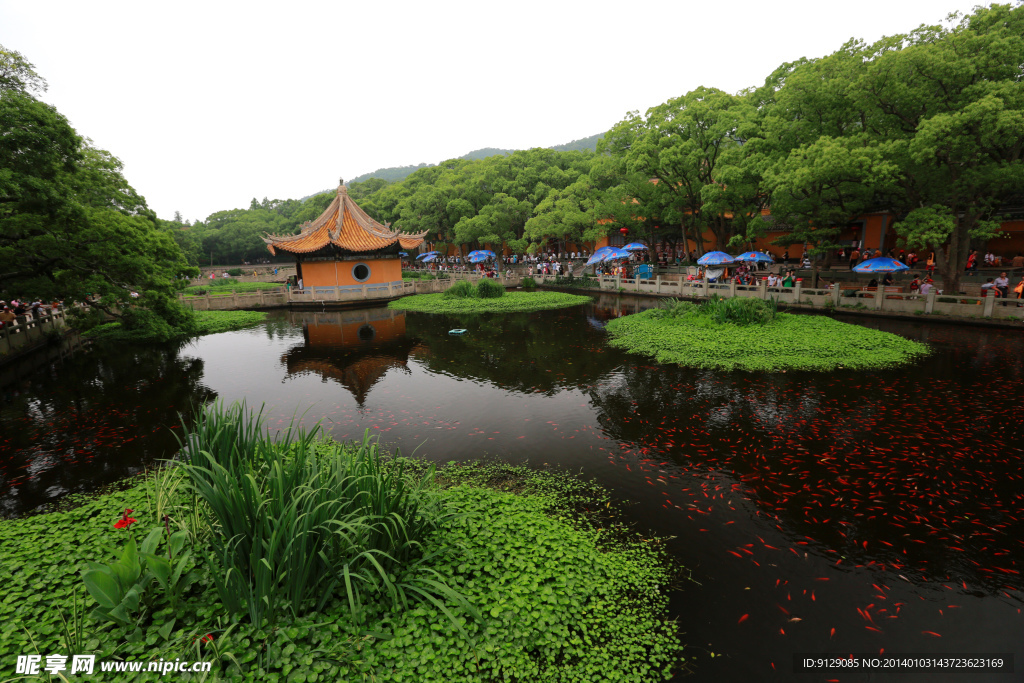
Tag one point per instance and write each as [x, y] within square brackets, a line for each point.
[512, 302]
[789, 342]
[562, 596]
[207, 322]
[226, 286]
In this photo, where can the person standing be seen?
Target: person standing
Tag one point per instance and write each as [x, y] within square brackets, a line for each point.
[854, 255]
[972, 261]
[930, 263]
[1003, 284]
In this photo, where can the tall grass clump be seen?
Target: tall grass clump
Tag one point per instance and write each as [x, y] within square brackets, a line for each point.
[297, 522]
[740, 311]
[463, 289]
[489, 289]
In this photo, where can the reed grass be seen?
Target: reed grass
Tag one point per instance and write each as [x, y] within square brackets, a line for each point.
[297, 521]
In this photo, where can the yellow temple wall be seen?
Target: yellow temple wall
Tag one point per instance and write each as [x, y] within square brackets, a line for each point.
[339, 273]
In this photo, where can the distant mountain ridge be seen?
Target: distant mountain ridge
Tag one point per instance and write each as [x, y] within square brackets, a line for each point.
[397, 173]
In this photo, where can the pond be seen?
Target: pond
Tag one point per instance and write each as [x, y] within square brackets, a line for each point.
[852, 512]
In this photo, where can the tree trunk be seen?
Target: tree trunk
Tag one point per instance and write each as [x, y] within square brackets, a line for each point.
[950, 262]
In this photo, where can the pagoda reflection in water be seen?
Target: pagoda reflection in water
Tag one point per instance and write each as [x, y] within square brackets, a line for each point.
[355, 348]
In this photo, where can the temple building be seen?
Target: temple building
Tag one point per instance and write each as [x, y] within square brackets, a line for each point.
[344, 247]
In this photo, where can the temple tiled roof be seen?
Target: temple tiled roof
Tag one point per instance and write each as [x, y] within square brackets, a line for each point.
[347, 227]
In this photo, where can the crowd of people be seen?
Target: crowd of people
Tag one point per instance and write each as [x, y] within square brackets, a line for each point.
[14, 309]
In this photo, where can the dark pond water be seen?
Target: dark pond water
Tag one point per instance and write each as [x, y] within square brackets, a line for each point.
[857, 512]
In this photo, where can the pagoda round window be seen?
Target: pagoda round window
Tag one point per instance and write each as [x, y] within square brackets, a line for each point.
[360, 272]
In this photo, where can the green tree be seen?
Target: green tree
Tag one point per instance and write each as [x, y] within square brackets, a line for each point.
[947, 107]
[72, 228]
[679, 145]
[17, 74]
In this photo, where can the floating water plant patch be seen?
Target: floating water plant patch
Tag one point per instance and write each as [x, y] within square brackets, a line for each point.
[206, 322]
[511, 302]
[723, 335]
[304, 559]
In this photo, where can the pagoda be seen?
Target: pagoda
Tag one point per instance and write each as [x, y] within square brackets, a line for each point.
[344, 247]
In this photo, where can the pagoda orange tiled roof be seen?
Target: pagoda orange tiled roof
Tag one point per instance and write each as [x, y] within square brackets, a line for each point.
[347, 227]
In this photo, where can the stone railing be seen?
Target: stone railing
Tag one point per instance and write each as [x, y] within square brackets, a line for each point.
[27, 330]
[285, 296]
[892, 301]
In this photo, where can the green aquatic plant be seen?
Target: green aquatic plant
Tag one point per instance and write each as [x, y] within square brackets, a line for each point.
[463, 289]
[489, 289]
[565, 593]
[204, 322]
[512, 302]
[696, 337]
[295, 519]
[740, 310]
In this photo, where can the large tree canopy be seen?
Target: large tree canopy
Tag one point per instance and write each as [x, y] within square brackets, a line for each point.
[946, 104]
[71, 226]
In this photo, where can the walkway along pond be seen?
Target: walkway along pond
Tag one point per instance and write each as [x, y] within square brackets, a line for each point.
[847, 512]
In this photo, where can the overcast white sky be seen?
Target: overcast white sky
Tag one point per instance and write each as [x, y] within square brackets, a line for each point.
[211, 103]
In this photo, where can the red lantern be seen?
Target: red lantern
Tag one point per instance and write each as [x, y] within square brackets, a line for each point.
[624, 231]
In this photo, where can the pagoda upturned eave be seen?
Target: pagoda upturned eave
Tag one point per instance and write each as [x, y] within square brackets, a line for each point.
[346, 227]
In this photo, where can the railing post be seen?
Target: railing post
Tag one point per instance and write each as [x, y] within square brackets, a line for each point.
[879, 296]
[836, 292]
[929, 302]
[990, 303]
[658, 279]
[797, 289]
[732, 289]
[763, 285]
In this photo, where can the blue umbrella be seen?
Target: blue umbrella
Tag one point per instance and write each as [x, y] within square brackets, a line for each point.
[485, 253]
[715, 258]
[756, 257]
[429, 258]
[598, 255]
[615, 254]
[635, 246]
[429, 253]
[477, 258]
[882, 264]
[402, 253]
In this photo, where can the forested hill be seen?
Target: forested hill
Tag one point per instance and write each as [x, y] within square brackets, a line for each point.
[400, 172]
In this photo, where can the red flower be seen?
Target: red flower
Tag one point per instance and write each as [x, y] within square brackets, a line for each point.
[125, 520]
[207, 638]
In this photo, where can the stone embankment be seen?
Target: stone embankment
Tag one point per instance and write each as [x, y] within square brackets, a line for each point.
[291, 297]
